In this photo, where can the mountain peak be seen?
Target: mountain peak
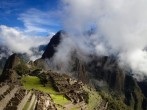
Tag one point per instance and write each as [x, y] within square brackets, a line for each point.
[51, 47]
[14, 67]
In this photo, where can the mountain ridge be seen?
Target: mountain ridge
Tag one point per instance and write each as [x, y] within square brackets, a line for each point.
[106, 68]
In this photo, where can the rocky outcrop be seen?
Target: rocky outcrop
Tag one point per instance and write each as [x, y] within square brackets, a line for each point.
[8, 72]
[13, 68]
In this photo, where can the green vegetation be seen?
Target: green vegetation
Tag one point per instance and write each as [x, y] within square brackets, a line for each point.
[21, 69]
[74, 108]
[33, 82]
[59, 99]
[94, 97]
[113, 103]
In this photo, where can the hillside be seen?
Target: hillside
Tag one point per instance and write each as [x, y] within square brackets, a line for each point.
[35, 85]
[118, 82]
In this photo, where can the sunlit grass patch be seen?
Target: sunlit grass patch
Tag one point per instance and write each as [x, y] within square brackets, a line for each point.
[33, 82]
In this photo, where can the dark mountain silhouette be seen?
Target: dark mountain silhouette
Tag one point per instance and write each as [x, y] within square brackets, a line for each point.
[51, 47]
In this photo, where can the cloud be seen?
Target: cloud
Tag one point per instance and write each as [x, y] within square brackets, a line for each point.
[19, 42]
[39, 27]
[120, 27]
[37, 21]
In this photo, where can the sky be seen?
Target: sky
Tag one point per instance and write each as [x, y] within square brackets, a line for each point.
[26, 24]
[120, 28]
[34, 17]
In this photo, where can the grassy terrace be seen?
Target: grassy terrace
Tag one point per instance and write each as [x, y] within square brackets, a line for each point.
[33, 82]
[26, 105]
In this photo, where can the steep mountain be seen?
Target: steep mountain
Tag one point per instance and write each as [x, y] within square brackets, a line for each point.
[120, 84]
[51, 47]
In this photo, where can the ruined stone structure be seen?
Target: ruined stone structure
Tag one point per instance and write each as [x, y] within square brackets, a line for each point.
[71, 88]
[15, 97]
[44, 102]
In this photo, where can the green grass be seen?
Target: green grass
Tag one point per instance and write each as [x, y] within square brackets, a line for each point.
[74, 108]
[59, 99]
[26, 105]
[33, 82]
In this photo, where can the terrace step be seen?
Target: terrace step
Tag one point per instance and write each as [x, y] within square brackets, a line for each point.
[32, 102]
[8, 97]
[3, 89]
[19, 100]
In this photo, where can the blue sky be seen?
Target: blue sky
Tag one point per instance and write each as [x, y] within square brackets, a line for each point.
[34, 17]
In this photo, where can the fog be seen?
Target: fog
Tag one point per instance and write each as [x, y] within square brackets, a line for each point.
[117, 27]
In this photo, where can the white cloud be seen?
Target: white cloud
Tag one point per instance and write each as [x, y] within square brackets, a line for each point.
[38, 29]
[121, 27]
[38, 21]
[18, 41]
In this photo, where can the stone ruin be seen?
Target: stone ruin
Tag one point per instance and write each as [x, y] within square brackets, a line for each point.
[72, 89]
[15, 97]
[44, 102]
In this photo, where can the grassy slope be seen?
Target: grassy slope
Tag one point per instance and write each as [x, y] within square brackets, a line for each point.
[113, 103]
[94, 98]
[33, 82]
